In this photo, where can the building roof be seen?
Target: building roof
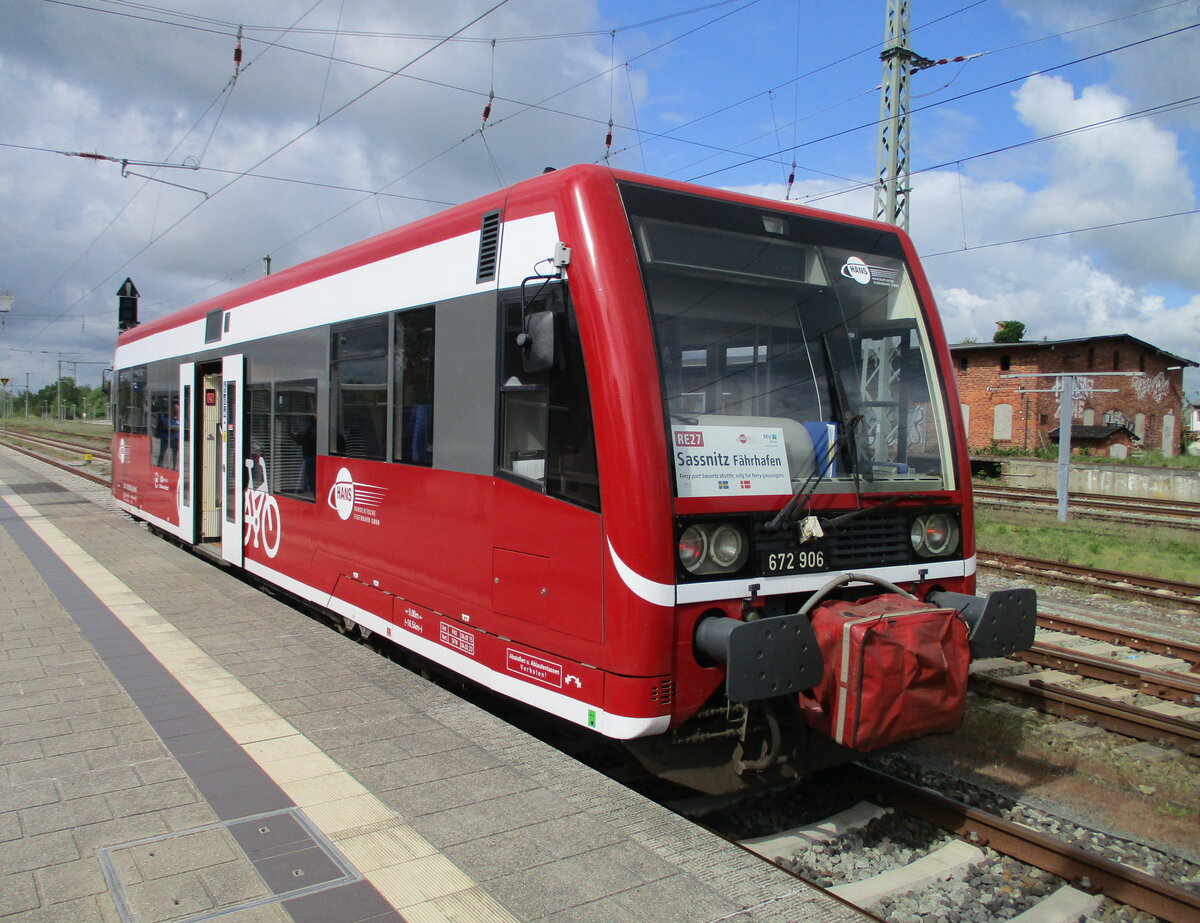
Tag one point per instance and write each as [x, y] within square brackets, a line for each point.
[1093, 433]
[1077, 341]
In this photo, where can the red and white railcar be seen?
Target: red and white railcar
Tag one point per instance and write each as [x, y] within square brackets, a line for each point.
[667, 462]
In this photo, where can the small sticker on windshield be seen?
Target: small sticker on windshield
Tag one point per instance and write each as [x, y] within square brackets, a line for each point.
[865, 273]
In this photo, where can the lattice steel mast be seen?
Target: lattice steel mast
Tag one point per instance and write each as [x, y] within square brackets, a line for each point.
[891, 177]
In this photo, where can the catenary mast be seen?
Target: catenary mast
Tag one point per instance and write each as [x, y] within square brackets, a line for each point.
[891, 160]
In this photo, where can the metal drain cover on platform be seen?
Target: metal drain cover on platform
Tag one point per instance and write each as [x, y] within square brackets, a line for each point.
[216, 869]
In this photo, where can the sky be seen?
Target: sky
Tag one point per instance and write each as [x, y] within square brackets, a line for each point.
[1053, 170]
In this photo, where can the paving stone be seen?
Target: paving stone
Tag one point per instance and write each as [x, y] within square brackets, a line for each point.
[17, 893]
[72, 880]
[33, 852]
[66, 815]
[518, 850]
[81, 910]
[511, 812]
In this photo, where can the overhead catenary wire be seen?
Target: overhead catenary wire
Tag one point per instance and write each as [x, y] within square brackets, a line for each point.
[284, 147]
[640, 134]
[994, 86]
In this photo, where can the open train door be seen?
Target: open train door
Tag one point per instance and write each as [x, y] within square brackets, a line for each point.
[233, 373]
[186, 486]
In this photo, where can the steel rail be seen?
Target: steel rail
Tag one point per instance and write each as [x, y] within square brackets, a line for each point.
[1164, 684]
[1084, 870]
[1127, 720]
[73, 469]
[1117, 634]
[39, 439]
[1162, 591]
[1178, 508]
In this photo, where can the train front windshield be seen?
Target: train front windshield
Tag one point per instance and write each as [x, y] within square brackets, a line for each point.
[793, 351]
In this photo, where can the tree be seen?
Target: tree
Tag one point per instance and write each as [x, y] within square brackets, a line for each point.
[1008, 331]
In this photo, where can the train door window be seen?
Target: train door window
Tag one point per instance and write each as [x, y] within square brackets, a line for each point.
[258, 402]
[231, 449]
[412, 387]
[186, 445]
[524, 401]
[294, 430]
[547, 434]
[358, 383]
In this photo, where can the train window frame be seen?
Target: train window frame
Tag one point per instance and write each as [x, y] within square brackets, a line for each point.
[166, 416]
[287, 449]
[132, 400]
[259, 429]
[370, 427]
[302, 435]
[414, 341]
[545, 437]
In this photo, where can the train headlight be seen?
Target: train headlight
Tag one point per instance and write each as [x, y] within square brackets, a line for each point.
[713, 549]
[727, 548]
[693, 548]
[934, 535]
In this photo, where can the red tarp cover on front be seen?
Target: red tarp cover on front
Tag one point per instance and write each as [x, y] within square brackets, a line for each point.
[894, 670]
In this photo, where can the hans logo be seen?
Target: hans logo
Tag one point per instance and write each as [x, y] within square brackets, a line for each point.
[857, 270]
[350, 498]
[341, 494]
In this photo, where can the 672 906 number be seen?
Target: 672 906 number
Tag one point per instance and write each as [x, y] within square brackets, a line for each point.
[793, 562]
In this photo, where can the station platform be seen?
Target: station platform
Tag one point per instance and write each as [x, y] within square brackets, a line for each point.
[178, 745]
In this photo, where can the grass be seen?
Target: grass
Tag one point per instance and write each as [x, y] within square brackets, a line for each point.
[1132, 547]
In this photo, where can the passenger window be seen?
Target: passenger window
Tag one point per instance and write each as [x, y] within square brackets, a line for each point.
[164, 429]
[131, 400]
[546, 432]
[258, 402]
[283, 437]
[412, 375]
[294, 428]
[358, 385]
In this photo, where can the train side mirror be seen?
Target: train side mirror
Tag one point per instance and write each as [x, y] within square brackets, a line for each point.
[538, 342]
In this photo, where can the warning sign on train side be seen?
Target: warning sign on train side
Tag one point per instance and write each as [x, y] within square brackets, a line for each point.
[721, 461]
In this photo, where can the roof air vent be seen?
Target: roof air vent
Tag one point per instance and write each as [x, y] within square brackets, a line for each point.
[489, 247]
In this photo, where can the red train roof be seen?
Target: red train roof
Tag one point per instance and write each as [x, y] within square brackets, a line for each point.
[461, 219]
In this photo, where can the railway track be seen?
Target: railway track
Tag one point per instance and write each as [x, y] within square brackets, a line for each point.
[1140, 686]
[901, 849]
[73, 468]
[1082, 869]
[1100, 506]
[1153, 589]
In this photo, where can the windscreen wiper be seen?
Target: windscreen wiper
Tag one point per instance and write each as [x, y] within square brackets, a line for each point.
[804, 492]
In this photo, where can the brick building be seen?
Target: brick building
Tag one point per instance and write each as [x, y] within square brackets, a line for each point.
[1001, 411]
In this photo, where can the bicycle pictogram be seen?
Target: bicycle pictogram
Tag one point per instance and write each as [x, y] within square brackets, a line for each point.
[262, 511]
